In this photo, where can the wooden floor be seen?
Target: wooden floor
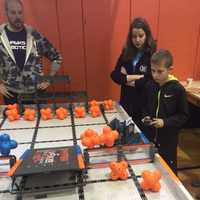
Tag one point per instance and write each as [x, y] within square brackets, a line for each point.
[189, 155]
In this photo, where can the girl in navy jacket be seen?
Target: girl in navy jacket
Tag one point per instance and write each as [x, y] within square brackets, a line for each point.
[133, 67]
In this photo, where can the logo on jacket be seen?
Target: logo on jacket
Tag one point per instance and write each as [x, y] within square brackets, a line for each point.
[18, 45]
[168, 95]
[143, 68]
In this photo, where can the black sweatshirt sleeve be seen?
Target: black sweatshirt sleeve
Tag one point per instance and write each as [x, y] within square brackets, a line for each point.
[116, 74]
[182, 115]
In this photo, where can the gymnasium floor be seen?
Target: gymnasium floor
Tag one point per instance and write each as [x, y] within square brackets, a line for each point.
[189, 155]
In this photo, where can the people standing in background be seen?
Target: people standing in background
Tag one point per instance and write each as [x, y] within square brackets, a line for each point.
[21, 52]
[133, 67]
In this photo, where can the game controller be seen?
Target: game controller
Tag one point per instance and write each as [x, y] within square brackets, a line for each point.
[147, 121]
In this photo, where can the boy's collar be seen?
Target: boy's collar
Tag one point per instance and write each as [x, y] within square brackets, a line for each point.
[171, 77]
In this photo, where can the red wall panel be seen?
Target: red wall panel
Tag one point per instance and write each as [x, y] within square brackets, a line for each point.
[149, 10]
[91, 33]
[196, 73]
[2, 13]
[42, 16]
[106, 26]
[71, 37]
[178, 32]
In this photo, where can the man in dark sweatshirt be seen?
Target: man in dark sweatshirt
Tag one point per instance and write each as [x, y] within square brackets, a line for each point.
[165, 109]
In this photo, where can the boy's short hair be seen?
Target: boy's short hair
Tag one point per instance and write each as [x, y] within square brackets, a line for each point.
[162, 55]
[6, 3]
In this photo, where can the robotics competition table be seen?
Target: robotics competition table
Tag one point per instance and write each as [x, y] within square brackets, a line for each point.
[95, 184]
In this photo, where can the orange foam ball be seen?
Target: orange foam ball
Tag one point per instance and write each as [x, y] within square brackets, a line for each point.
[108, 104]
[101, 139]
[12, 112]
[156, 187]
[108, 136]
[79, 112]
[95, 111]
[93, 103]
[144, 185]
[109, 139]
[113, 165]
[157, 174]
[86, 141]
[118, 170]
[151, 180]
[12, 106]
[114, 176]
[11, 118]
[29, 114]
[115, 134]
[123, 175]
[90, 138]
[124, 164]
[106, 129]
[46, 113]
[89, 132]
[61, 113]
[95, 139]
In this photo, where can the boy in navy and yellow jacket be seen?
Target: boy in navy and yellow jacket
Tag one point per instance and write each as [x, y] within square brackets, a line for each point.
[166, 108]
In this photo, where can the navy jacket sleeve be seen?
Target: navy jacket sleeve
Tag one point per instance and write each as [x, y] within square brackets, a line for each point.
[182, 114]
[145, 101]
[116, 74]
[140, 83]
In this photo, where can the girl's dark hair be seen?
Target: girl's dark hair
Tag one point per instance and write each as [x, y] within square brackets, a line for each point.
[130, 50]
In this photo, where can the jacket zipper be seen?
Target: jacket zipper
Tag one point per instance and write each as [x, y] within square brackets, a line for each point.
[157, 111]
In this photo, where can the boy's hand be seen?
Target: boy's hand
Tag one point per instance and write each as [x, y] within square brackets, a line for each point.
[157, 123]
[146, 118]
